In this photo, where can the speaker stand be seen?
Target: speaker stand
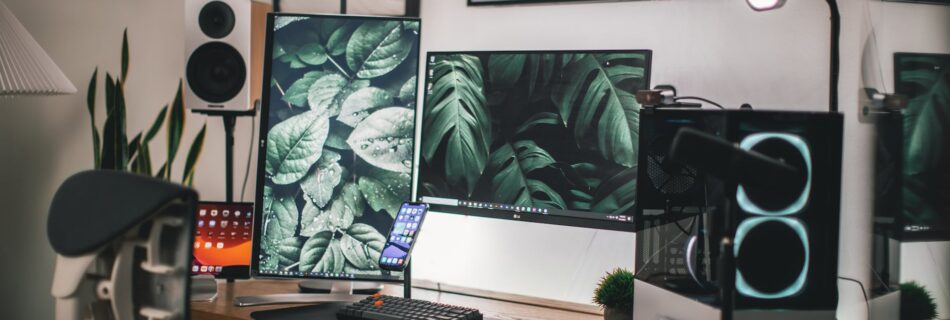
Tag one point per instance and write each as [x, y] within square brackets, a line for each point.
[230, 118]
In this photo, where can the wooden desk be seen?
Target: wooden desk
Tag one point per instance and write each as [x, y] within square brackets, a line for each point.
[222, 308]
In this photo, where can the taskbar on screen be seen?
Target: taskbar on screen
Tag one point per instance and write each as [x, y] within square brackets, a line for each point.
[533, 214]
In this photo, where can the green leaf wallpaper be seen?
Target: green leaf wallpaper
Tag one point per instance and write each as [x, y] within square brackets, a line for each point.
[925, 80]
[339, 146]
[551, 130]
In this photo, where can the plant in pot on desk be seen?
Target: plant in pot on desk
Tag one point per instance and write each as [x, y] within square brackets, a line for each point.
[615, 295]
[113, 150]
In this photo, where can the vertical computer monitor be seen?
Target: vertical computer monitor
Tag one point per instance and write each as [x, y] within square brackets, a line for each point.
[336, 149]
[540, 136]
[925, 80]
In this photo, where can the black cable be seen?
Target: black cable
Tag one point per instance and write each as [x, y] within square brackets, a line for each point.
[342, 6]
[275, 6]
[865, 294]
[835, 55]
[250, 149]
[699, 99]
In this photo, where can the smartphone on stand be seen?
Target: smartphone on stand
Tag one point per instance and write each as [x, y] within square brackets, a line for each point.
[402, 236]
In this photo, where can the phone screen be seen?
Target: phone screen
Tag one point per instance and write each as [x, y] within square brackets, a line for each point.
[403, 236]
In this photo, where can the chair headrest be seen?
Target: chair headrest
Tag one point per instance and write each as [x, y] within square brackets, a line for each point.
[94, 207]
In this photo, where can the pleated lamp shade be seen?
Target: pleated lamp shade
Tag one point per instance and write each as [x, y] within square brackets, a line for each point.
[25, 68]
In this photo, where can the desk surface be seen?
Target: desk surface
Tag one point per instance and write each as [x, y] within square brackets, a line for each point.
[222, 308]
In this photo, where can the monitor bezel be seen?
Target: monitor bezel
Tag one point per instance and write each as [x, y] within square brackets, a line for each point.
[262, 144]
[560, 220]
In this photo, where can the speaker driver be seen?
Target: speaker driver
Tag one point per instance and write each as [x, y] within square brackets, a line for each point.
[771, 257]
[792, 197]
[216, 72]
[216, 19]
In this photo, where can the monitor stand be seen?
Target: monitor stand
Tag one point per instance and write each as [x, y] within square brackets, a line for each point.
[203, 288]
[315, 291]
[336, 286]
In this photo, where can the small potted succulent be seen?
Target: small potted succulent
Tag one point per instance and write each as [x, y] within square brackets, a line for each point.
[615, 294]
[916, 302]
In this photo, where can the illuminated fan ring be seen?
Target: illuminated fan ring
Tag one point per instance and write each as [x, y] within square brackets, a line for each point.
[743, 198]
[743, 287]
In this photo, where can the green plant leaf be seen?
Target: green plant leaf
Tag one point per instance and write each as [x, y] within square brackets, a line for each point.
[362, 245]
[384, 139]
[318, 184]
[91, 107]
[125, 56]
[110, 94]
[297, 93]
[541, 70]
[322, 253]
[112, 130]
[357, 106]
[288, 251]
[336, 44]
[511, 164]
[385, 190]
[411, 25]
[347, 206]
[143, 161]
[407, 93]
[542, 118]
[313, 54]
[505, 69]
[377, 47]
[592, 91]
[176, 124]
[617, 194]
[188, 176]
[116, 148]
[97, 145]
[314, 220]
[281, 216]
[294, 145]
[161, 171]
[287, 53]
[280, 22]
[456, 111]
[338, 134]
[589, 173]
[156, 125]
[615, 291]
[327, 93]
[134, 145]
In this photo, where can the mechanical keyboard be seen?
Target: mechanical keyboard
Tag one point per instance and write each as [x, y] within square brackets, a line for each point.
[380, 307]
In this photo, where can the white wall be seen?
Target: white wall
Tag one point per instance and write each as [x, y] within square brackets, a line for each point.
[46, 139]
[714, 48]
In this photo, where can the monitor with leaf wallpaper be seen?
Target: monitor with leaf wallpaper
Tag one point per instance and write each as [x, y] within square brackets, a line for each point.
[925, 80]
[540, 136]
[336, 148]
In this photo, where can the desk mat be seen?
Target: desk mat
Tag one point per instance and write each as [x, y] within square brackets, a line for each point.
[322, 311]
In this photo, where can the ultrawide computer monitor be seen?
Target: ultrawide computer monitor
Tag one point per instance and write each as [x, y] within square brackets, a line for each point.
[336, 149]
[540, 136]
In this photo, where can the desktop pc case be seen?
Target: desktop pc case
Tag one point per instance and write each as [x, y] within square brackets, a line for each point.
[785, 244]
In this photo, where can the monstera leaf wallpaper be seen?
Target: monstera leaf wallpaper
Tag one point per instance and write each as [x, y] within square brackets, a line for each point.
[339, 141]
[925, 80]
[551, 130]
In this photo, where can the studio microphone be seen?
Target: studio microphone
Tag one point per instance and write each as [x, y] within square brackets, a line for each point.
[720, 158]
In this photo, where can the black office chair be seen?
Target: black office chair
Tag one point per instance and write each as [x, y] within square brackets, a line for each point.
[123, 244]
